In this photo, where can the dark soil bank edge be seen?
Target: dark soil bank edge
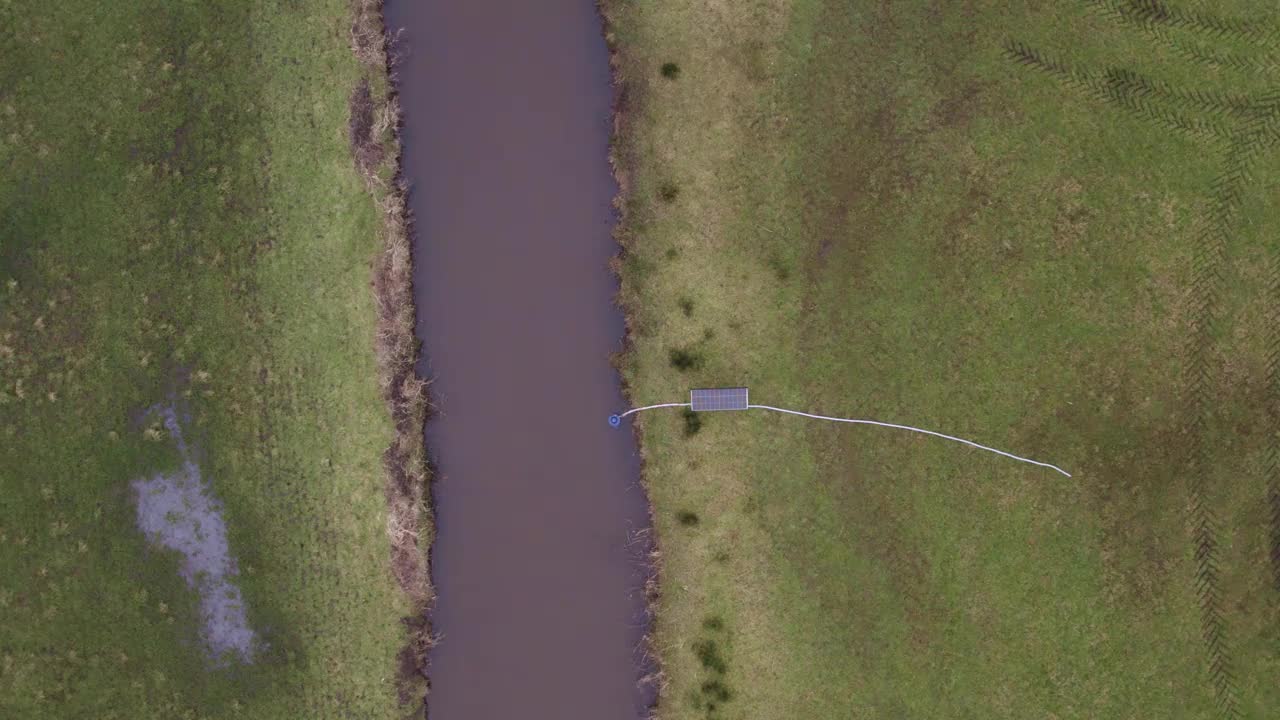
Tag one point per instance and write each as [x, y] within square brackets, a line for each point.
[540, 546]
[375, 145]
[622, 164]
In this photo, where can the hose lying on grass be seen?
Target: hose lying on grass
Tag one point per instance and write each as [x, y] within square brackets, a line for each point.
[616, 420]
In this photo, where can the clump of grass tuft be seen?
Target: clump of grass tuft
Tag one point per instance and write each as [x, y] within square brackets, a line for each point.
[692, 422]
[668, 192]
[686, 306]
[672, 253]
[781, 269]
[713, 691]
[686, 518]
[684, 359]
[716, 691]
[670, 70]
[708, 653]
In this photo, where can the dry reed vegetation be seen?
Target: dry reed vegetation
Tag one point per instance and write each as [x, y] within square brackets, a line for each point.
[375, 147]
[621, 162]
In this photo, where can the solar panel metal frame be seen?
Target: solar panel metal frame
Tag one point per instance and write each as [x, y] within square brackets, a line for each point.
[712, 399]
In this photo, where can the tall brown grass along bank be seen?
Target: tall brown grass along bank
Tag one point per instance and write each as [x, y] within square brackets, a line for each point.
[621, 162]
[375, 145]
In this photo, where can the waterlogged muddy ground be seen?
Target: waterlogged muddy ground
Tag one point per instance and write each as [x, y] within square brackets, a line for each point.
[540, 607]
[178, 511]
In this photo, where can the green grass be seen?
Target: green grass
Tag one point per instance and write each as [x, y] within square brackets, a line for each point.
[883, 213]
[181, 221]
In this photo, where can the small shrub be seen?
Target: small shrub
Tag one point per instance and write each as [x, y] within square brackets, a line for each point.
[686, 306]
[672, 253]
[692, 422]
[781, 269]
[668, 192]
[639, 267]
[670, 70]
[716, 691]
[708, 654]
[712, 623]
[684, 359]
[686, 518]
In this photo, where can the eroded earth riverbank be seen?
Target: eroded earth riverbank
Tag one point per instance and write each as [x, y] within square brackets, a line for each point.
[539, 573]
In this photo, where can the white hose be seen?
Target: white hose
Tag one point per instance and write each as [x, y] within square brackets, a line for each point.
[651, 407]
[970, 443]
[853, 421]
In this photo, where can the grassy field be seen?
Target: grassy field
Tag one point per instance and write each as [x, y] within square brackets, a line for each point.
[182, 224]
[1044, 226]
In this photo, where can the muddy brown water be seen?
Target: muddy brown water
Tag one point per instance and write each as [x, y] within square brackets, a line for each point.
[540, 592]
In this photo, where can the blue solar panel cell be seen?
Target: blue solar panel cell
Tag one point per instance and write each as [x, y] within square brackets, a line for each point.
[707, 399]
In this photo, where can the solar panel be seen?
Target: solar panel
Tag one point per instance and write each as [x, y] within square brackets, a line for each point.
[704, 399]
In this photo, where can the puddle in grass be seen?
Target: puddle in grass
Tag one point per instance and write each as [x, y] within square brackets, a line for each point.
[177, 511]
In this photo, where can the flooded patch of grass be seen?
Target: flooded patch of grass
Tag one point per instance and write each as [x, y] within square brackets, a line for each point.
[176, 510]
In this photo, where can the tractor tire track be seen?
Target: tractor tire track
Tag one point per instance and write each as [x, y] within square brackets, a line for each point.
[1240, 128]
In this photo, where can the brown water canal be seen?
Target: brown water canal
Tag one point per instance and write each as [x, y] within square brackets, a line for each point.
[506, 108]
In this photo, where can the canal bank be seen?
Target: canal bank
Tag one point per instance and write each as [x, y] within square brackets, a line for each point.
[539, 577]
